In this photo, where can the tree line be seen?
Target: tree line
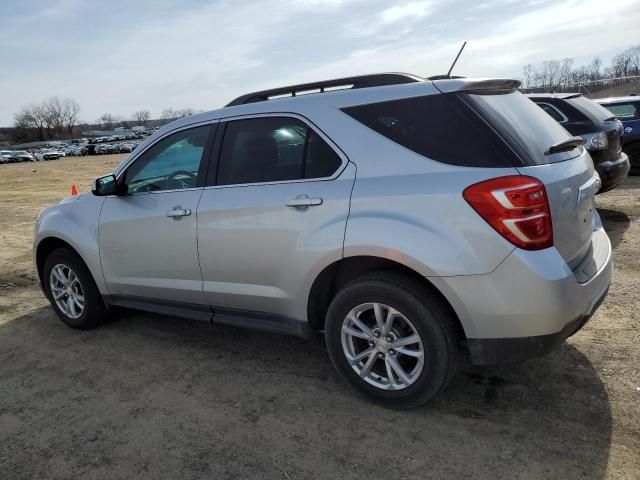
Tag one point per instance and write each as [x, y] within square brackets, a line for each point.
[553, 74]
[51, 118]
[59, 118]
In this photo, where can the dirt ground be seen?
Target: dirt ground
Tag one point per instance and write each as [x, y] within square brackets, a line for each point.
[147, 396]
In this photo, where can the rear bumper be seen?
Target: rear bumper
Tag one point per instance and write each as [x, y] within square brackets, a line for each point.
[530, 303]
[613, 172]
[491, 351]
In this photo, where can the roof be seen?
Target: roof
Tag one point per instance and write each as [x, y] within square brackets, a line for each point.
[562, 96]
[630, 98]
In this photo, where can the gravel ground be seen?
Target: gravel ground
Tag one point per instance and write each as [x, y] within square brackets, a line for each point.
[147, 396]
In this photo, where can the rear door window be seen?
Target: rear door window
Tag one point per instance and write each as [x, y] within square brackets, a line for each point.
[441, 127]
[273, 149]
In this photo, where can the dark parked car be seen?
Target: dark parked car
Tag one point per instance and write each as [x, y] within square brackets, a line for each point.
[600, 129]
[627, 109]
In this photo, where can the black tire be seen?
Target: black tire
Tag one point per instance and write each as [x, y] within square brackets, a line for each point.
[431, 318]
[94, 310]
[633, 151]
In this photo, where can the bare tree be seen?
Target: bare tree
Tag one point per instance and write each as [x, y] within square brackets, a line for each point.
[53, 108]
[565, 72]
[49, 118]
[621, 64]
[107, 120]
[528, 73]
[551, 73]
[29, 119]
[596, 65]
[142, 116]
[70, 114]
[634, 59]
[171, 114]
[40, 119]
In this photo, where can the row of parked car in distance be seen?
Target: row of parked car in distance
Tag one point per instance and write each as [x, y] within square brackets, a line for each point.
[72, 150]
[11, 156]
[117, 138]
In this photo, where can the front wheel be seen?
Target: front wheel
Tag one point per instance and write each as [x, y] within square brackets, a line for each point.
[391, 339]
[71, 290]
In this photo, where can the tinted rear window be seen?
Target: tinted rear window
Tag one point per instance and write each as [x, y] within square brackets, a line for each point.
[590, 108]
[531, 131]
[441, 127]
[624, 111]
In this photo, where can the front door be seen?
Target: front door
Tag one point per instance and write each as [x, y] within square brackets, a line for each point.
[147, 238]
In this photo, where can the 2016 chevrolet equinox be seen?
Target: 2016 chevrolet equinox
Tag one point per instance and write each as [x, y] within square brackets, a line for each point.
[408, 219]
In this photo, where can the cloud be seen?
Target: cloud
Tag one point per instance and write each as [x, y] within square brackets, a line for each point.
[411, 10]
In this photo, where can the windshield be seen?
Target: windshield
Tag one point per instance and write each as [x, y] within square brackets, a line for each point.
[531, 130]
[591, 109]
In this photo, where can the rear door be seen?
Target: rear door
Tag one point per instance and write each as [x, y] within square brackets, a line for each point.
[276, 214]
[569, 176]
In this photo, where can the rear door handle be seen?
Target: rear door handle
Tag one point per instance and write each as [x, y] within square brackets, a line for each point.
[178, 212]
[304, 201]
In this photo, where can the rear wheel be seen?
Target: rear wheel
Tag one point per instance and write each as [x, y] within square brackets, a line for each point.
[391, 339]
[71, 290]
[633, 151]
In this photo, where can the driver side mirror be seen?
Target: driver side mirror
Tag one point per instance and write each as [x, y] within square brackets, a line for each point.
[103, 186]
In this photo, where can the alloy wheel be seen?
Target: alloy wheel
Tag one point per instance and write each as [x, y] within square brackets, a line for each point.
[382, 346]
[67, 291]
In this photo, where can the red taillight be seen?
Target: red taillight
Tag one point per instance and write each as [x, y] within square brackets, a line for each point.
[516, 207]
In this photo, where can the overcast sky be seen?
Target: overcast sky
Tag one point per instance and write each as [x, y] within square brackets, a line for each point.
[120, 56]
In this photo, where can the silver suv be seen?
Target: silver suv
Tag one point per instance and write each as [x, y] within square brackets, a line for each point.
[412, 221]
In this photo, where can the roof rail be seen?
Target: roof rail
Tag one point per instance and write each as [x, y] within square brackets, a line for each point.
[362, 81]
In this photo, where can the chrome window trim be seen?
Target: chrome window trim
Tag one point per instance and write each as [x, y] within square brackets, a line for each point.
[564, 117]
[343, 157]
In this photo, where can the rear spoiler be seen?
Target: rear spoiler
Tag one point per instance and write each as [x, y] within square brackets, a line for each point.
[497, 85]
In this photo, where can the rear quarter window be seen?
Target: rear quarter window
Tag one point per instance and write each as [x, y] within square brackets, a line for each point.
[529, 129]
[553, 112]
[442, 127]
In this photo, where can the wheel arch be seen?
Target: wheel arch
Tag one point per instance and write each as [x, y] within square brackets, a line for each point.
[338, 274]
[48, 245]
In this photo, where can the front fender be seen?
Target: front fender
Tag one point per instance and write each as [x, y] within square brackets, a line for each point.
[76, 223]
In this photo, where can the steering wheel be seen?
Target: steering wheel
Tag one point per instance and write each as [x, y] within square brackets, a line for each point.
[174, 178]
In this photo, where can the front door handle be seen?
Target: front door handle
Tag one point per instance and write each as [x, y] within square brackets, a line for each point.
[303, 202]
[178, 212]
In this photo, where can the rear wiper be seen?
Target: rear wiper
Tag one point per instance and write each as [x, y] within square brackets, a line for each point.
[565, 145]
